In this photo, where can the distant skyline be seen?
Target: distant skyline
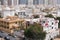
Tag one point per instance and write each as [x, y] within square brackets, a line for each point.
[2, 1]
[34, 2]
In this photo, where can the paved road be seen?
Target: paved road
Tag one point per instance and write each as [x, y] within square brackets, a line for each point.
[15, 36]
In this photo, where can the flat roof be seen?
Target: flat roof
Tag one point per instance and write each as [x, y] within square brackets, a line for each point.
[11, 19]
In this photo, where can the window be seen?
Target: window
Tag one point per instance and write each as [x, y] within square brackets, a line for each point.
[43, 21]
[52, 23]
[28, 23]
[4, 26]
[7, 27]
[22, 13]
[52, 27]
[51, 39]
[15, 22]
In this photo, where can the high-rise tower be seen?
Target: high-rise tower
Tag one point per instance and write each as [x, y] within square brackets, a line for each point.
[52, 2]
[2, 2]
[12, 2]
[30, 2]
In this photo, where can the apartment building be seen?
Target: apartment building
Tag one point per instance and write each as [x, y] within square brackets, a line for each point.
[50, 25]
[2, 2]
[11, 24]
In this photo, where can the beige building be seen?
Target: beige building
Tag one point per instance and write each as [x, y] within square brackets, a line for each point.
[11, 24]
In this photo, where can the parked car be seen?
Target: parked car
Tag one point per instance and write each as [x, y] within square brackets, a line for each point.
[6, 38]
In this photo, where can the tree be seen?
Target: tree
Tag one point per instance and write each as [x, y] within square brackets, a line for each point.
[35, 31]
[16, 14]
[58, 18]
[36, 16]
[50, 16]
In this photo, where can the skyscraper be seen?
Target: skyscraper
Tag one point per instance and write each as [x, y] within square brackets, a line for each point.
[46, 2]
[31, 2]
[36, 2]
[23, 1]
[58, 2]
[12, 2]
[41, 1]
[9, 2]
[2, 2]
[52, 2]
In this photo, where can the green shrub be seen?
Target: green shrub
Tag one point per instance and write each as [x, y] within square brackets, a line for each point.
[36, 16]
[35, 32]
[58, 18]
[50, 16]
[16, 14]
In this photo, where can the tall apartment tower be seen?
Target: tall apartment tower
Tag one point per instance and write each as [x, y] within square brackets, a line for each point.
[24, 2]
[41, 1]
[45, 2]
[52, 2]
[58, 2]
[30, 2]
[12, 2]
[2, 2]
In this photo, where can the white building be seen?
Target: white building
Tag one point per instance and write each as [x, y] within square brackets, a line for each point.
[6, 10]
[50, 25]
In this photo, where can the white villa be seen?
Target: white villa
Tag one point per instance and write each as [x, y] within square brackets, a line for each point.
[50, 25]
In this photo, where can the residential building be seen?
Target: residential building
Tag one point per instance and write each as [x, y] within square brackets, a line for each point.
[58, 2]
[6, 10]
[2, 2]
[50, 26]
[23, 2]
[11, 24]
